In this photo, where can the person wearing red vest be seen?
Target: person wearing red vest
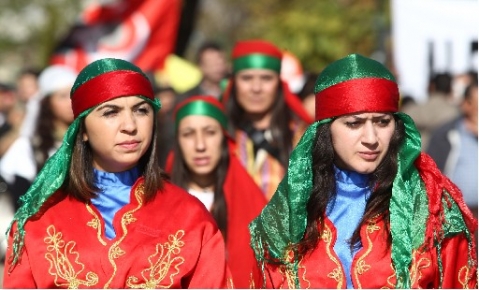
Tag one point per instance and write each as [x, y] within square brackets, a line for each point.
[102, 213]
[361, 206]
[204, 162]
[266, 119]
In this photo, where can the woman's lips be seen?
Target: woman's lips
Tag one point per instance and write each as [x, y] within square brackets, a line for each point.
[130, 145]
[369, 156]
[201, 161]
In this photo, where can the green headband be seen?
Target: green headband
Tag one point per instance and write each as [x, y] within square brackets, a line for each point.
[202, 108]
[258, 61]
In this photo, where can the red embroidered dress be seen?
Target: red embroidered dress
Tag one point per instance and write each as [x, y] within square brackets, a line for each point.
[177, 247]
[372, 266]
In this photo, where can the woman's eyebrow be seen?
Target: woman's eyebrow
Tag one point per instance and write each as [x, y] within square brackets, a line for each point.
[107, 106]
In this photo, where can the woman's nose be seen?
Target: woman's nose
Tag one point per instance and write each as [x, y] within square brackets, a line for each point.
[128, 123]
[369, 133]
[200, 144]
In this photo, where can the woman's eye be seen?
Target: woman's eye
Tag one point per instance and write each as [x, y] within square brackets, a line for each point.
[384, 122]
[109, 113]
[143, 110]
[355, 124]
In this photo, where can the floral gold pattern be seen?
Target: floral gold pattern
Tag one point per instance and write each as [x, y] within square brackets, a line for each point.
[391, 279]
[64, 262]
[337, 274]
[361, 266]
[164, 264]
[96, 224]
[417, 265]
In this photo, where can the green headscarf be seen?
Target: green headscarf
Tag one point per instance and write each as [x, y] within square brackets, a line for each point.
[100, 81]
[350, 85]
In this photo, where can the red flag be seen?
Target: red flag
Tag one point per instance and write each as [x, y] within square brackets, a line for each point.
[141, 31]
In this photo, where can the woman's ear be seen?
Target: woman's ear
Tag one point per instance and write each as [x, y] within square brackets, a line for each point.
[85, 137]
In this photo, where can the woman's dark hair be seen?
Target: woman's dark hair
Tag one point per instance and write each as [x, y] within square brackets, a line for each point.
[324, 187]
[43, 139]
[180, 175]
[281, 132]
[79, 182]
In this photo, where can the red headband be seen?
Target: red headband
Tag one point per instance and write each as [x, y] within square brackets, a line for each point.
[357, 95]
[247, 47]
[108, 86]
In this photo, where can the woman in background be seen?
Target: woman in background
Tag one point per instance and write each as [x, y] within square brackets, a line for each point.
[27, 155]
[205, 164]
[266, 118]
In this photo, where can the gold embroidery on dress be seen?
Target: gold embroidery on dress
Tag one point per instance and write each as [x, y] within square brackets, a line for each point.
[337, 273]
[115, 251]
[416, 267]
[96, 224]
[61, 267]
[361, 266]
[463, 277]
[391, 281]
[162, 261]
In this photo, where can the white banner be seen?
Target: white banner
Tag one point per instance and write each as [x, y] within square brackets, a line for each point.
[432, 35]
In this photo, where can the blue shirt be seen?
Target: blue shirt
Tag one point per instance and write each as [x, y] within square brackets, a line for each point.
[465, 172]
[114, 193]
[346, 211]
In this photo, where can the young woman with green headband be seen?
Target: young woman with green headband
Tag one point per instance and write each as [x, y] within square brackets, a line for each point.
[204, 163]
[266, 119]
[101, 213]
[360, 205]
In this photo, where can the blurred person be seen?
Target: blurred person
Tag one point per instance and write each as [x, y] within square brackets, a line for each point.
[459, 83]
[405, 102]
[7, 104]
[212, 63]
[454, 147]
[205, 164]
[27, 84]
[11, 116]
[306, 94]
[266, 119]
[28, 89]
[438, 108]
[101, 213]
[27, 155]
[361, 206]
[166, 128]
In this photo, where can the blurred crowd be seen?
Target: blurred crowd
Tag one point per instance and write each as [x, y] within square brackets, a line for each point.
[35, 113]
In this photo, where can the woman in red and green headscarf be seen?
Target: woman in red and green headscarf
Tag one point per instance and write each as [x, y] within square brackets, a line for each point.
[204, 162]
[101, 213]
[361, 206]
[266, 119]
